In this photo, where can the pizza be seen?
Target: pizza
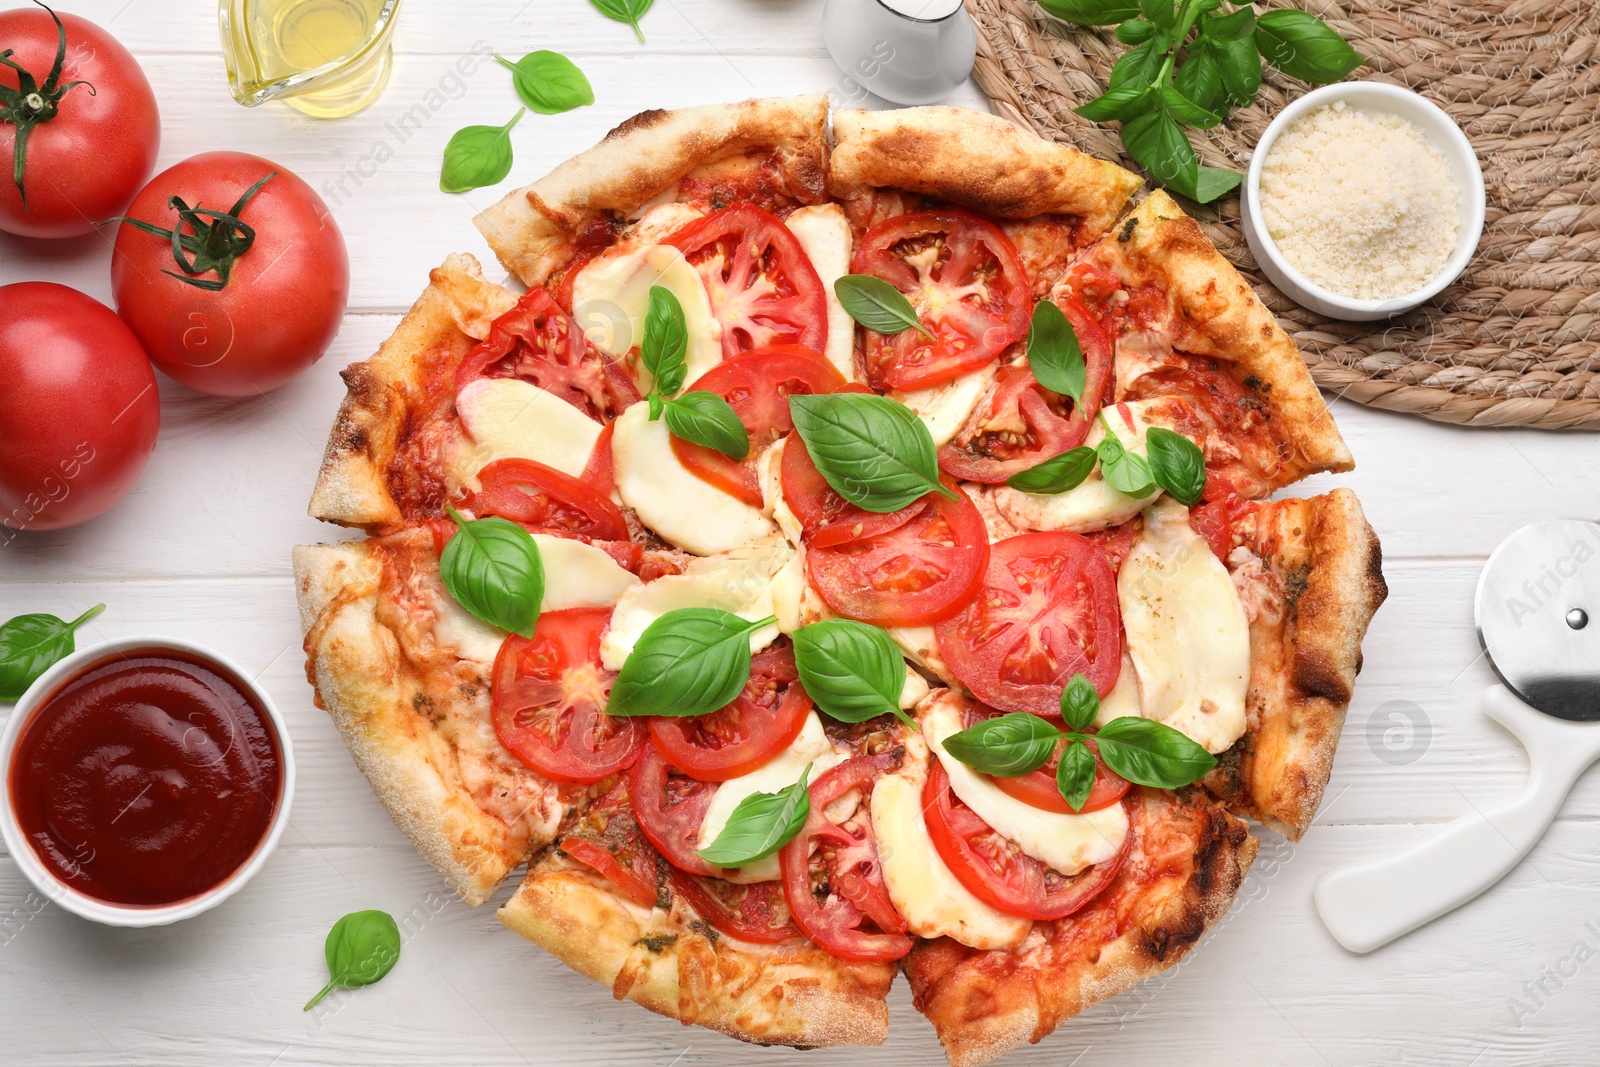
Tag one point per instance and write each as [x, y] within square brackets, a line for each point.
[854, 550]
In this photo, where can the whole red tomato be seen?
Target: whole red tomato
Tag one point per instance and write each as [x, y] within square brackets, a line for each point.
[258, 294]
[83, 118]
[78, 407]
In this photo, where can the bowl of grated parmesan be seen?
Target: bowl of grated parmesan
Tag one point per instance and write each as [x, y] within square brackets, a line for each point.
[1363, 200]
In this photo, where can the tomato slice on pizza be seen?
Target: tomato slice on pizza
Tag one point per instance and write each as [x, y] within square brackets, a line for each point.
[540, 497]
[762, 721]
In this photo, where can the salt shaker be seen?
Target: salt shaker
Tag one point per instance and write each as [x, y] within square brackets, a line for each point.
[907, 51]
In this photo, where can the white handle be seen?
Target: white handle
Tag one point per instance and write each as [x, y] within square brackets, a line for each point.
[1367, 905]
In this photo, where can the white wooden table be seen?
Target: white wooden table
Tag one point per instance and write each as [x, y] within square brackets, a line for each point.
[201, 550]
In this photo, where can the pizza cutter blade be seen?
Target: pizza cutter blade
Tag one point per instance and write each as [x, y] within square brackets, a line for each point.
[1538, 617]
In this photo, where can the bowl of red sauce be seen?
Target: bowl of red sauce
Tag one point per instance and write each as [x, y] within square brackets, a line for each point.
[147, 780]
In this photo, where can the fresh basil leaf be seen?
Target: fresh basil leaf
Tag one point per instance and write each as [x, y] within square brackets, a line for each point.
[666, 340]
[492, 568]
[1091, 12]
[1186, 111]
[1126, 472]
[1240, 65]
[1234, 26]
[1162, 13]
[873, 451]
[1152, 753]
[1058, 474]
[877, 305]
[1120, 104]
[548, 82]
[361, 948]
[704, 418]
[1200, 77]
[30, 644]
[760, 825]
[1079, 702]
[1054, 355]
[628, 11]
[477, 156]
[1213, 182]
[1137, 66]
[1304, 47]
[1176, 464]
[1162, 149]
[1075, 775]
[691, 661]
[852, 671]
[1010, 745]
[1135, 31]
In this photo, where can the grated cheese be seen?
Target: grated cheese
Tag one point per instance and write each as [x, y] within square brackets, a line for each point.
[1359, 202]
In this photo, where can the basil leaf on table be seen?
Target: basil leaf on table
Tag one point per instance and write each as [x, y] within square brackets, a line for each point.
[877, 305]
[1177, 464]
[761, 824]
[1135, 31]
[1152, 753]
[1212, 182]
[30, 644]
[1091, 12]
[852, 671]
[1234, 26]
[477, 156]
[493, 569]
[691, 661]
[1200, 77]
[1121, 104]
[548, 82]
[361, 948]
[873, 451]
[1054, 355]
[1079, 702]
[704, 418]
[1010, 745]
[1075, 775]
[1162, 13]
[1239, 62]
[1058, 474]
[665, 342]
[1304, 47]
[1186, 111]
[1161, 148]
[1138, 66]
[628, 11]
[1126, 472]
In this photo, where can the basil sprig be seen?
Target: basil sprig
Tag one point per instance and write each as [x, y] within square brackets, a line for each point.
[691, 661]
[1054, 355]
[628, 11]
[477, 156]
[1176, 464]
[1125, 471]
[361, 948]
[1143, 751]
[760, 825]
[1154, 95]
[30, 644]
[548, 82]
[699, 417]
[852, 671]
[873, 451]
[877, 305]
[493, 569]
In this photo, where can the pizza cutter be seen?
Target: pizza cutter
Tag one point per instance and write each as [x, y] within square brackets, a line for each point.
[1538, 617]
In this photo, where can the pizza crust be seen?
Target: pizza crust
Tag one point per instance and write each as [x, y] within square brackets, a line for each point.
[1188, 859]
[531, 228]
[676, 966]
[452, 314]
[1318, 581]
[981, 161]
[361, 675]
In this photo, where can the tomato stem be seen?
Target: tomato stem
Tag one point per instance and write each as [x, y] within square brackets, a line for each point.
[31, 103]
[214, 245]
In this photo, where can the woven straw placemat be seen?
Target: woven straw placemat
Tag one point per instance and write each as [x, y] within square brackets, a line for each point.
[1514, 341]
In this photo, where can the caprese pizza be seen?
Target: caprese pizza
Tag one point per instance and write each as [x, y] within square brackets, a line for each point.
[849, 554]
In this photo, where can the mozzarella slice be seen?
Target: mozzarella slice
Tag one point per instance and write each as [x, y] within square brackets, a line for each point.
[455, 628]
[914, 689]
[1187, 633]
[748, 581]
[921, 647]
[769, 472]
[611, 296]
[824, 233]
[510, 418]
[946, 408]
[1123, 700]
[684, 509]
[783, 770]
[924, 892]
[579, 575]
[1067, 843]
[1093, 505]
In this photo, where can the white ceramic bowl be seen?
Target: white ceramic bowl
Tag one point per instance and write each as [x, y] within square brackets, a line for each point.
[74, 899]
[1441, 132]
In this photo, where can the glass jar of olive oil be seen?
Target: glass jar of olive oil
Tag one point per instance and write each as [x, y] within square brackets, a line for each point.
[327, 58]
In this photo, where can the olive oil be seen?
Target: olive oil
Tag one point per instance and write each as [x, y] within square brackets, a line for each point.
[325, 57]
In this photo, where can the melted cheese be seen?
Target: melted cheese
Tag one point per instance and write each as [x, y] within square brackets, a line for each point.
[510, 418]
[924, 892]
[457, 629]
[1093, 505]
[811, 746]
[824, 233]
[684, 509]
[1187, 633]
[769, 472]
[1123, 700]
[611, 296]
[944, 409]
[1067, 843]
[920, 646]
[749, 581]
[579, 575]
